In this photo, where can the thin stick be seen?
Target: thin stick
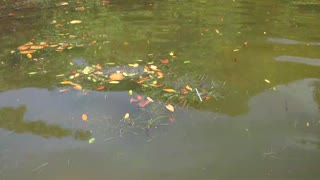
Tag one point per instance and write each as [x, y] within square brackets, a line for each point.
[198, 94]
[108, 139]
[40, 166]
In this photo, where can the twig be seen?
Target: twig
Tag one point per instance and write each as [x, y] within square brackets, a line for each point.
[198, 94]
[40, 166]
[108, 139]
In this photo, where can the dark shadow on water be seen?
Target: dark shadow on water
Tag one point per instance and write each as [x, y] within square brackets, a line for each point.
[12, 119]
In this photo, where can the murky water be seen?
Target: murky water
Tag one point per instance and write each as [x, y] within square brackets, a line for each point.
[265, 125]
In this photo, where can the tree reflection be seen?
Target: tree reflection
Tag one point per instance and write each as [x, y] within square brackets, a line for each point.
[12, 119]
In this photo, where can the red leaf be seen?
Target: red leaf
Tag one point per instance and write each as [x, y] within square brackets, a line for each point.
[183, 91]
[164, 61]
[144, 103]
[133, 100]
[171, 119]
[139, 98]
[100, 88]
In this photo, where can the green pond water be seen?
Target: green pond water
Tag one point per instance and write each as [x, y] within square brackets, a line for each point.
[263, 124]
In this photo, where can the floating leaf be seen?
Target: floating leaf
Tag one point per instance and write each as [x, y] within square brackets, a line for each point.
[36, 47]
[23, 47]
[169, 90]
[186, 62]
[27, 52]
[98, 66]
[114, 82]
[111, 63]
[77, 87]
[126, 116]
[184, 91]
[29, 56]
[130, 92]
[188, 87]
[143, 104]
[87, 70]
[116, 77]
[171, 119]
[171, 53]
[91, 140]
[160, 74]
[149, 99]
[267, 81]
[59, 75]
[139, 98]
[75, 22]
[164, 61]
[84, 117]
[170, 107]
[63, 90]
[62, 3]
[100, 88]
[31, 73]
[153, 67]
[134, 65]
[66, 82]
[80, 8]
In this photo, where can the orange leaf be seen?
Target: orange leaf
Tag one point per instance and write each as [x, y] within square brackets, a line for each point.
[116, 77]
[169, 90]
[84, 117]
[98, 66]
[77, 87]
[27, 52]
[66, 82]
[36, 47]
[160, 74]
[100, 88]
[23, 47]
[170, 107]
[183, 91]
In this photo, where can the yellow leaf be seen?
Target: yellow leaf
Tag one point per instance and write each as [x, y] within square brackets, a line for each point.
[267, 81]
[84, 117]
[169, 90]
[114, 82]
[130, 92]
[29, 56]
[126, 116]
[75, 22]
[134, 65]
[188, 87]
[153, 67]
[116, 77]
[91, 140]
[77, 87]
[170, 107]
